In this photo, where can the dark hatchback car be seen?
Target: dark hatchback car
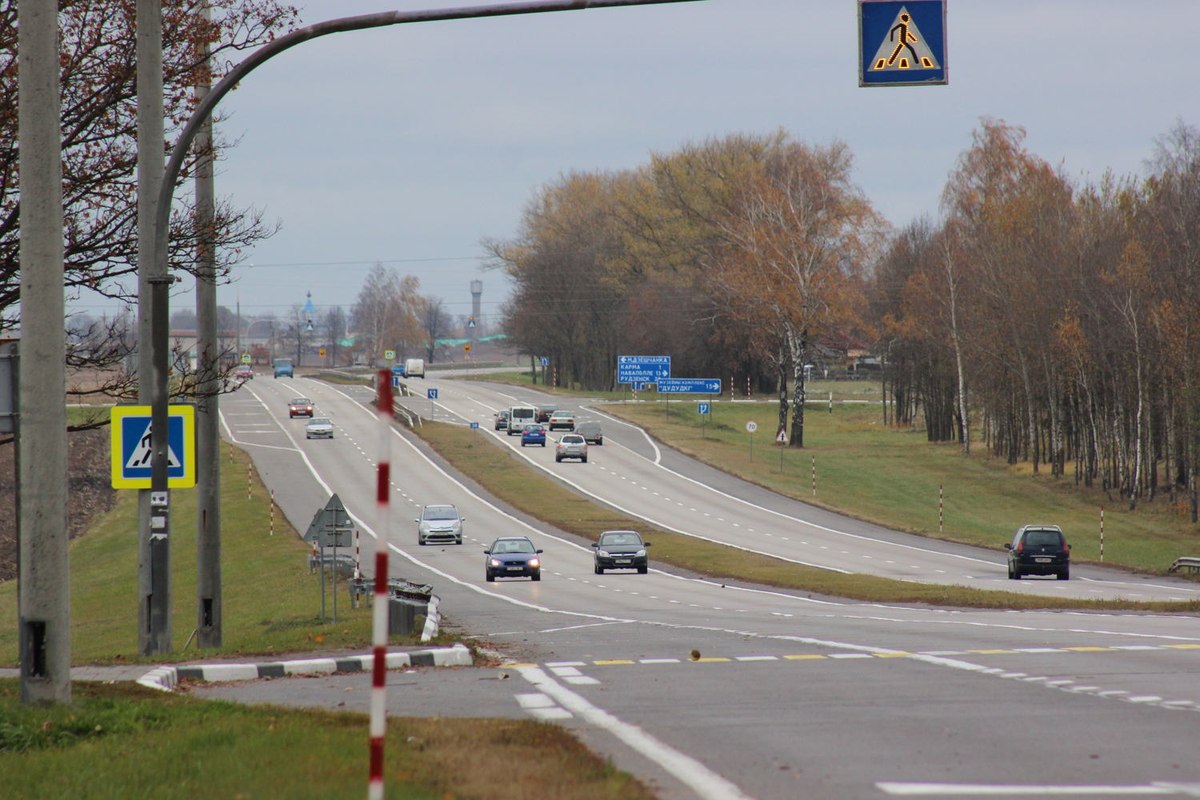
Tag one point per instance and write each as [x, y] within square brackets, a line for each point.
[512, 557]
[543, 412]
[502, 420]
[590, 431]
[1039, 550]
[621, 550]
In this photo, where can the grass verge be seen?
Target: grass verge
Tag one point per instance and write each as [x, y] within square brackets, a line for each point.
[271, 603]
[504, 475]
[122, 740]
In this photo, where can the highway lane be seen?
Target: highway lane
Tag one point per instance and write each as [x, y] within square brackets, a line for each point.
[674, 492]
[783, 695]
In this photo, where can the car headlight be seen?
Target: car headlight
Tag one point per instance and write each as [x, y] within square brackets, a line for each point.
[641, 553]
[602, 553]
[493, 562]
[534, 563]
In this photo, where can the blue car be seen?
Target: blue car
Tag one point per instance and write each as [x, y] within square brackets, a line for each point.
[533, 434]
[512, 557]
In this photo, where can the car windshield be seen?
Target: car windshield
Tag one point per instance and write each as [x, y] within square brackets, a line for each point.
[301, 401]
[589, 427]
[441, 512]
[1043, 538]
[611, 539]
[513, 546]
[319, 421]
[572, 440]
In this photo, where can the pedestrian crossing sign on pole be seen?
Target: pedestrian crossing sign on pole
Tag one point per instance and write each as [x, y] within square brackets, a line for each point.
[131, 451]
[902, 43]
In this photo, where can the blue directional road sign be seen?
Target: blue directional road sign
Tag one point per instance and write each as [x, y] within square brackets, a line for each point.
[131, 451]
[689, 385]
[642, 369]
[902, 43]
[702, 408]
[431, 394]
[474, 426]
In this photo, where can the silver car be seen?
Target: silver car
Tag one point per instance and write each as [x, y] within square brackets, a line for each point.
[318, 428]
[439, 524]
[571, 445]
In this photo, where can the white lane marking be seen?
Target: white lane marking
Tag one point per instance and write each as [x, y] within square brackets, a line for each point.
[1010, 790]
[549, 714]
[535, 700]
[707, 784]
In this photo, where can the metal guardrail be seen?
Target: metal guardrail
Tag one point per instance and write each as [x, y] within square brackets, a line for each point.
[1186, 564]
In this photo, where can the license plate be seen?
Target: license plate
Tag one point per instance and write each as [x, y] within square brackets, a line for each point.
[1043, 560]
[621, 561]
[515, 569]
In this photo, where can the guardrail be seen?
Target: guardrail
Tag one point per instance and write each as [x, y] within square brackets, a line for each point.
[1186, 564]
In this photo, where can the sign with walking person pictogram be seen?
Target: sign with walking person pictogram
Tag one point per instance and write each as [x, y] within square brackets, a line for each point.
[132, 453]
[902, 43]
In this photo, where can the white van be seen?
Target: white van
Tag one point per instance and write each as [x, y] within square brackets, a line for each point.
[519, 417]
[414, 368]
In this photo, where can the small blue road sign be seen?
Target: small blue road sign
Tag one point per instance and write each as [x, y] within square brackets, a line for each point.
[703, 408]
[902, 43]
[689, 385]
[545, 361]
[431, 394]
[131, 451]
[395, 380]
[474, 426]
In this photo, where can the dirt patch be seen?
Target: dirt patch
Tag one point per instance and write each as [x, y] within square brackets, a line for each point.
[89, 491]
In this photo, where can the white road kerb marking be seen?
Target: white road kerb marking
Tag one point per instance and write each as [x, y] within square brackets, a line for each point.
[699, 778]
[1158, 788]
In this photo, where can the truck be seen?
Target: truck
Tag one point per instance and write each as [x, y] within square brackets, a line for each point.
[283, 368]
[519, 417]
[414, 368]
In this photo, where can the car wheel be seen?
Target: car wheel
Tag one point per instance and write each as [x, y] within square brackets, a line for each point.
[1064, 574]
[1016, 574]
[307, 436]
[598, 569]
[458, 540]
[489, 577]
[537, 576]
[584, 459]
[558, 459]
[420, 541]
[543, 444]
[642, 570]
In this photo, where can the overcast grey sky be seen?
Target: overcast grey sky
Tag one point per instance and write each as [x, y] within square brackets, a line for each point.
[410, 144]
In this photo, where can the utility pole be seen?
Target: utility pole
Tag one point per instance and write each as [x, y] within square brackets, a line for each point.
[154, 608]
[208, 388]
[43, 590]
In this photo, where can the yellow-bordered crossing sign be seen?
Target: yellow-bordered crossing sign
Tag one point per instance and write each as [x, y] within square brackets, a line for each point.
[131, 451]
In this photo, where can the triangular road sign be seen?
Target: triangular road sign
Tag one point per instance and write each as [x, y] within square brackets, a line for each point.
[904, 48]
[330, 526]
[142, 454]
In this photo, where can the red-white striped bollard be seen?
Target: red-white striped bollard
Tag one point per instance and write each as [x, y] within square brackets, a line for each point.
[383, 481]
[272, 512]
[814, 475]
[941, 508]
[1101, 534]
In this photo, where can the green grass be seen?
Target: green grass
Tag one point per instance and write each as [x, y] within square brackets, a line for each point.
[506, 476]
[893, 477]
[121, 740]
[271, 604]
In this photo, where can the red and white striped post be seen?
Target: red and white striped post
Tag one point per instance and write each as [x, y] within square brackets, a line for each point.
[814, 475]
[249, 478]
[383, 481]
[1101, 534]
[272, 512]
[357, 557]
[941, 509]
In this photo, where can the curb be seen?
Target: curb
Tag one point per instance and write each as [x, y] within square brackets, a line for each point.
[167, 678]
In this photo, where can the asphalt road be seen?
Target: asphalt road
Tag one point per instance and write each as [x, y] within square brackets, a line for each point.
[720, 691]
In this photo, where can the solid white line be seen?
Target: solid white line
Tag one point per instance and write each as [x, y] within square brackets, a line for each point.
[987, 790]
[707, 784]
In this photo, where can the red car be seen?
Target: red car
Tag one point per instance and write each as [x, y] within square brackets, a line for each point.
[300, 407]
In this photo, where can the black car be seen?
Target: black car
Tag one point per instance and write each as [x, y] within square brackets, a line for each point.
[621, 550]
[502, 420]
[543, 412]
[1039, 550]
[512, 557]
[590, 431]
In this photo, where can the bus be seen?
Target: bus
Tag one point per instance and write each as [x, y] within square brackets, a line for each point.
[519, 417]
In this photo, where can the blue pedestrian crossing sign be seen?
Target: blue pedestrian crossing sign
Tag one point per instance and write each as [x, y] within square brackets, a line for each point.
[131, 452]
[902, 43]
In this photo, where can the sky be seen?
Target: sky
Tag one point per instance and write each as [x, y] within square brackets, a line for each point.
[411, 145]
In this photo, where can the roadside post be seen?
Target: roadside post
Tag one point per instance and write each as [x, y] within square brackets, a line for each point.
[781, 440]
[703, 409]
[1101, 534]
[432, 394]
[751, 427]
[330, 528]
[474, 427]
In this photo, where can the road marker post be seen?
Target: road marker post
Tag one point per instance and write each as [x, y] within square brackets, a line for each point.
[378, 723]
[941, 509]
[1101, 534]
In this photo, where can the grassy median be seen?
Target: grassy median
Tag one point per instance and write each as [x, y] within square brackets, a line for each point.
[503, 474]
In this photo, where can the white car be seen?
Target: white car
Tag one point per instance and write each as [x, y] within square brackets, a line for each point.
[562, 419]
[318, 428]
[440, 523]
[571, 445]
